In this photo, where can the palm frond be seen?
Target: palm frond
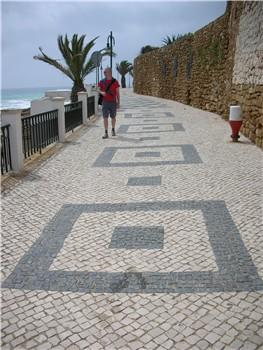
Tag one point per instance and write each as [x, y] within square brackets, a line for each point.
[174, 38]
[64, 48]
[44, 58]
[106, 52]
[75, 55]
[85, 53]
[88, 68]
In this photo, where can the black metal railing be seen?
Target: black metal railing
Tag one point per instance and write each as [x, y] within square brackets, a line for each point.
[73, 115]
[6, 161]
[91, 106]
[39, 131]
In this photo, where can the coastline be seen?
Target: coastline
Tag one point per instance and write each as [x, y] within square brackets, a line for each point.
[20, 98]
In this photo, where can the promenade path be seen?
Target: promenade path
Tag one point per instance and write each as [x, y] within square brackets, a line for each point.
[148, 240]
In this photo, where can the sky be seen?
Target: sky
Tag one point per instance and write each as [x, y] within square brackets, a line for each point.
[28, 25]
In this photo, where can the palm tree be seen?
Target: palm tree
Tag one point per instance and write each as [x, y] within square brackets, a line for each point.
[168, 40]
[123, 68]
[77, 64]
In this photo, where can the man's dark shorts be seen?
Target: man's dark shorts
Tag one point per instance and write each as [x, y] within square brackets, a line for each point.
[109, 108]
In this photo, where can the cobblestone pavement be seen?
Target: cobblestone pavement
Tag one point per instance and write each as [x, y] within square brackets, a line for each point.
[148, 240]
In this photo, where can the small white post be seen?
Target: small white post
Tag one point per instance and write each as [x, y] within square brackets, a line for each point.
[82, 96]
[235, 121]
[235, 113]
[58, 103]
[13, 117]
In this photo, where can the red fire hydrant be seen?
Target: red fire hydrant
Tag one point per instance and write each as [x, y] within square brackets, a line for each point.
[235, 121]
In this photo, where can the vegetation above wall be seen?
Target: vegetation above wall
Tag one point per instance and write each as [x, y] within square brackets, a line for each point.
[168, 40]
[147, 48]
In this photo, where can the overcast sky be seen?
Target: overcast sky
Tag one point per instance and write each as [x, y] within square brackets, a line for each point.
[28, 25]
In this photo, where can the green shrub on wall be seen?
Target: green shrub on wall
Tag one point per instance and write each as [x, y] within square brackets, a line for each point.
[212, 54]
[164, 69]
[175, 67]
[188, 67]
[216, 52]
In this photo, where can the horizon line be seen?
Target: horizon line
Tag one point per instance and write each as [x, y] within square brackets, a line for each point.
[39, 87]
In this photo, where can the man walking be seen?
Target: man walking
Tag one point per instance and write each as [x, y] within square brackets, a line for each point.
[109, 89]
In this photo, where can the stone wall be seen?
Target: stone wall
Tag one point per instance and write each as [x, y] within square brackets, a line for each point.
[219, 65]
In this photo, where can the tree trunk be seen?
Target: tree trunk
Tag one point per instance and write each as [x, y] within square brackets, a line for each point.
[123, 81]
[77, 87]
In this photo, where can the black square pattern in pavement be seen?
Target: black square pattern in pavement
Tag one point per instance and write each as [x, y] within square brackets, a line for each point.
[236, 270]
[137, 237]
[145, 181]
[189, 152]
[149, 138]
[150, 128]
[166, 115]
[147, 154]
[124, 128]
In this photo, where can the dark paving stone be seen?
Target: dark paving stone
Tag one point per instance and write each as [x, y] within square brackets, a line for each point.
[149, 138]
[105, 158]
[143, 105]
[236, 270]
[155, 114]
[137, 237]
[123, 129]
[145, 181]
[143, 117]
[148, 117]
[150, 127]
[128, 139]
[147, 154]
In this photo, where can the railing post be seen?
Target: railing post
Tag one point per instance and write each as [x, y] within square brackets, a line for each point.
[58, 103]
[82, 96]
[13, 117]
[96, 103]
[96, 94]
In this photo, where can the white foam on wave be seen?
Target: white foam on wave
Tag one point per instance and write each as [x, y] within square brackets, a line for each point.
[13, 104]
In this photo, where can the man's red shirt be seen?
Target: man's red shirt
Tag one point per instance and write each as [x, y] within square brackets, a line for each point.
[112, 91]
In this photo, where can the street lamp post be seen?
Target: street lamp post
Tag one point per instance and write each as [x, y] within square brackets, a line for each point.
[101, 69]
[96, 60]
[110, 44]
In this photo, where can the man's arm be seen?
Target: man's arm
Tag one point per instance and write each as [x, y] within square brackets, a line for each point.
[101, 88]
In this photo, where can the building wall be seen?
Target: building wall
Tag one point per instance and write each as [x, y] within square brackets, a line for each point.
[247, 77]
[221, 64]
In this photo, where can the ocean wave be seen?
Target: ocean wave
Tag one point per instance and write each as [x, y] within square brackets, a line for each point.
[20, 98]
[13, 104]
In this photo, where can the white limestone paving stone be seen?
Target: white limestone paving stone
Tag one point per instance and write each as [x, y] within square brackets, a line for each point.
[229, 172]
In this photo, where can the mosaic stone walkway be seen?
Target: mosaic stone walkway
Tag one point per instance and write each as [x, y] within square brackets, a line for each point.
[148, 240]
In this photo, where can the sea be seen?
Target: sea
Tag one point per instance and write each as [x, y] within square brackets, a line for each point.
[20, 98]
